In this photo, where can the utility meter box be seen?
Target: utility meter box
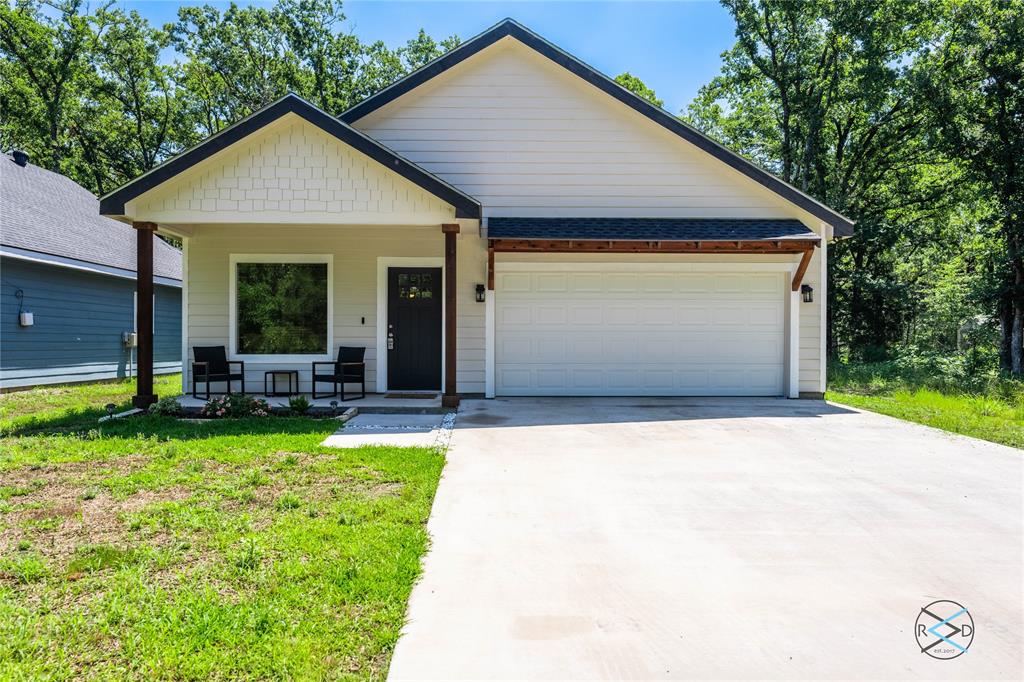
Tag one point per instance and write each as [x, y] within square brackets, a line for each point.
[26, 319]
[130, 339]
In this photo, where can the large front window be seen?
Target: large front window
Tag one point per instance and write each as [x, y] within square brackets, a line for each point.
[281, 308]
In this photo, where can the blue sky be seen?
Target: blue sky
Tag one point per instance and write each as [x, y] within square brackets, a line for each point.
[673, 46]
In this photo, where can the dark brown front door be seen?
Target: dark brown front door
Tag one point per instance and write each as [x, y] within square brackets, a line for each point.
[414, 329]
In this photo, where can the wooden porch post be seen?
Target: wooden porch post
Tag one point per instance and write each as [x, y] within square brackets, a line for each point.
[451, 395]
[144, 313]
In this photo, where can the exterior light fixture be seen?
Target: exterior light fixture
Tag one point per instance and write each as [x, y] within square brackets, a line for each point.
[334, 407]
[110, 409]
[480, 293]
[807, 293]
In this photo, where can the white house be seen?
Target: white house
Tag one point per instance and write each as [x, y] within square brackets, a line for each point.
[504, 221]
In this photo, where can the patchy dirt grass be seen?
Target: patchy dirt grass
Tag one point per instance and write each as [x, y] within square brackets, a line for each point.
[150, 548]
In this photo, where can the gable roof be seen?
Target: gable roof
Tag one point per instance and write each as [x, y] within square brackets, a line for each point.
[42, 212]
[465, 205]
[842, 226]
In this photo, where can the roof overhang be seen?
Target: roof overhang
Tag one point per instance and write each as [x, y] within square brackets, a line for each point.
[705, 230]
[113, 204]
[75, 264]
[841, 225]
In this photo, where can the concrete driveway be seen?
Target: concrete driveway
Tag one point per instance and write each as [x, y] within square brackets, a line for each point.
[704, 538]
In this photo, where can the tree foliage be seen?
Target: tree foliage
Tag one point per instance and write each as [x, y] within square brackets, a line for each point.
[834, 96]
[102, 96]
[638, 87]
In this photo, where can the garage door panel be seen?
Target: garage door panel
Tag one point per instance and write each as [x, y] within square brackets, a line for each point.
[552, 283]
[587, 282]
[639, 333]
[550, 314]
[658, 284]
[621, 283]
[515, 282]
[512, 314]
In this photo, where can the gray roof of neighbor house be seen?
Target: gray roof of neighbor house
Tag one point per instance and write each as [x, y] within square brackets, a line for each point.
[650, 229]
[48, 213]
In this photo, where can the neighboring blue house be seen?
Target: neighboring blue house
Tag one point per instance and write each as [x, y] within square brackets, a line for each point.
[67, 284]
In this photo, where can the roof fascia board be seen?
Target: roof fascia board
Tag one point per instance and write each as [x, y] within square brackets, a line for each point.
[465, 206]
[843, 226]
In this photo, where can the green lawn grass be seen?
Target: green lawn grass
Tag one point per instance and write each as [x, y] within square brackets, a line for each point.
[998, 417]
[69, 404]
[151, 548]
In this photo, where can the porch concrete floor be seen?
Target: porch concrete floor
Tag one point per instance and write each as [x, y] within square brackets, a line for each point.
[373, 403]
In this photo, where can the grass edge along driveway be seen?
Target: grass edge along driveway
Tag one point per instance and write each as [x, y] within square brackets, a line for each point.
[976, 416]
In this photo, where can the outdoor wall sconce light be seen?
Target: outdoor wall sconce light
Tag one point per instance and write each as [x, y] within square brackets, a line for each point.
[480, 293]
[25, 318]
[807, 293]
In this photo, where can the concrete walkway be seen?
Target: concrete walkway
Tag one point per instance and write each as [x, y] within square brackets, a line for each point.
[696, 538]
[399, 430]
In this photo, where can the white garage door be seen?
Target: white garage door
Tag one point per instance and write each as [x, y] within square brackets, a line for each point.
[644, 332]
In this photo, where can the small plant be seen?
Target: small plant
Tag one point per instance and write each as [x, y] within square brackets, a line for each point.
[24, 545]
[249, 556]
[288, 501]
[254, 477]
[89, 494]
[299, 404]
[166, 407]
[235, 406]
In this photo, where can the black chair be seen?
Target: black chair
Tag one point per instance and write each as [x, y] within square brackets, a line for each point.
[348, 368]
[212, 364]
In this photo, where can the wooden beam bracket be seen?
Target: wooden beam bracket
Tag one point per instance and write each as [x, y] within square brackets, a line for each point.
[801, 269]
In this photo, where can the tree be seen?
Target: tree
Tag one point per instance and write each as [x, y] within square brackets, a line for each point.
[45, 62]
[423, 49]
[125, 124]
[638, 87]
[974, 82]
[822, 93]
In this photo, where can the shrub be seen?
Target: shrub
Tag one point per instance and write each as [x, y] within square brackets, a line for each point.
[299, 404]
[235, 406]
[167, 407]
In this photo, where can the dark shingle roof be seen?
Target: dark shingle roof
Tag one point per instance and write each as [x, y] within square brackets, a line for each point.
[49, 213]
[649, 229]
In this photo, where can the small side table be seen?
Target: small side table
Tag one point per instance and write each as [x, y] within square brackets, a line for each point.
[271, 375]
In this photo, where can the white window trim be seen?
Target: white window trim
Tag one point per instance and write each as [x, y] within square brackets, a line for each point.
[234, 260]
[383, 263]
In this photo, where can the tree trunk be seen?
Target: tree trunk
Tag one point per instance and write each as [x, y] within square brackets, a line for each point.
[1016, 338]
[1005, 332]
[1017, 329]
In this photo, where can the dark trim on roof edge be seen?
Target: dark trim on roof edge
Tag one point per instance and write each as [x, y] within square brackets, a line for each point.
[465, 205]
[842, 226]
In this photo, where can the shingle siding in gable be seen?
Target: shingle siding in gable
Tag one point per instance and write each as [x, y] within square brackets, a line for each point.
[292, 171]
[79, 318]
